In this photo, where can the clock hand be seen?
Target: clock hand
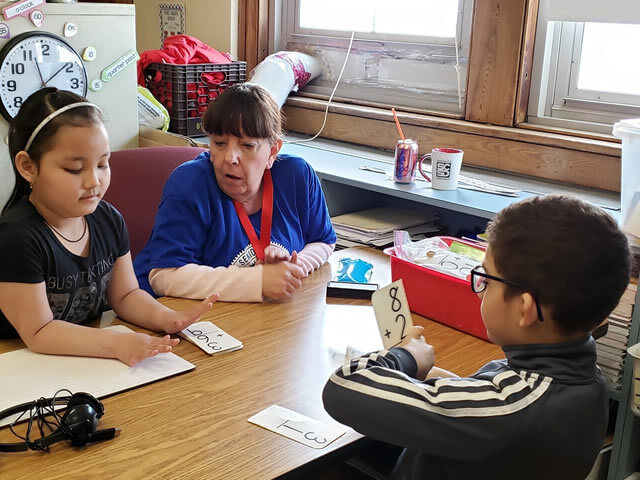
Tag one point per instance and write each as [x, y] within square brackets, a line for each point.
[43, 83]
[57, 72]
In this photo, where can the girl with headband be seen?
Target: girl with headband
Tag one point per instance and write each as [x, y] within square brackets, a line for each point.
[64, 252]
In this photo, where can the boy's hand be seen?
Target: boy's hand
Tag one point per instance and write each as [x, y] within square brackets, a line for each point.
[175, 321]
[420, 350]
[280, 280]
[133, 347]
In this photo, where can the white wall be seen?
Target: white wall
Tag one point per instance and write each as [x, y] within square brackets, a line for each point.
[110, 28]
[215, 22]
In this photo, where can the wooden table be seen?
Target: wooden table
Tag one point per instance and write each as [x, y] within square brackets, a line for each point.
[194, 425]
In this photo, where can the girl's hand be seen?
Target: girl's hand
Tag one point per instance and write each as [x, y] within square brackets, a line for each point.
[133, 347]
[173, 321]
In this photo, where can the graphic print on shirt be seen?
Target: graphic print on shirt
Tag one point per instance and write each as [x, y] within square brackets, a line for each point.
[103, 288]
[247, 256]
[75, 298]
[84, 301]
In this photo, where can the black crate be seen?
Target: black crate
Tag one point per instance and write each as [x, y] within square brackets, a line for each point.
[186, 90]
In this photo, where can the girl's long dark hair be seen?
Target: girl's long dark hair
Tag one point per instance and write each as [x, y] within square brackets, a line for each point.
[36, 108]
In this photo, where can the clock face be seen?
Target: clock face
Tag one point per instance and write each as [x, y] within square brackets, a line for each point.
[35, 60]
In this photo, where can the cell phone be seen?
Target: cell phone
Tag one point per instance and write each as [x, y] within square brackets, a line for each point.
[351, 289]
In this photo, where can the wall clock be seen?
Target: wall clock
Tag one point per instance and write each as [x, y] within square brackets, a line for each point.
[34, 60]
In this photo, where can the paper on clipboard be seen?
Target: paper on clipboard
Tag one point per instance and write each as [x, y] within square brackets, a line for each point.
[36, 375]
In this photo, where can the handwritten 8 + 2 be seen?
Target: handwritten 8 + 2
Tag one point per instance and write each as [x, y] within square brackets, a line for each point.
[200, 335]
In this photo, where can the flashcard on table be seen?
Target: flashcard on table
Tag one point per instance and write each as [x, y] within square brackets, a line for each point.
[295, 426]
[210, 338]
[392, 313]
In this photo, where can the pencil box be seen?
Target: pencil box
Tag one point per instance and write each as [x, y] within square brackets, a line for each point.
[440, 297]
[351, 289]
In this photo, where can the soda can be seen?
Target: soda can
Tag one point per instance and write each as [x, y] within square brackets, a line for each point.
[406, 160]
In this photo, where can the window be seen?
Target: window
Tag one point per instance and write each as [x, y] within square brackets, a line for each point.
[403, 54]
[585, 74]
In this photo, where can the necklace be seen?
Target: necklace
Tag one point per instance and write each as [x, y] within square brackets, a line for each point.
[84, 232]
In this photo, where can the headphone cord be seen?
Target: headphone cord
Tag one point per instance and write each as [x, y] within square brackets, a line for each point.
[335, 87]
[39, 410]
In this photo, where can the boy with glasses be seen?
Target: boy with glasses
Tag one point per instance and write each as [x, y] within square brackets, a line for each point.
[554, 269]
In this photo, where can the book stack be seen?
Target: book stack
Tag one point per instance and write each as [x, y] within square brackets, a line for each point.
[612, 348]
[374, 227]
[635, 260]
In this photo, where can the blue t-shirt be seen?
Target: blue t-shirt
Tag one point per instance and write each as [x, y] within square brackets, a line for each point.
[197, 222]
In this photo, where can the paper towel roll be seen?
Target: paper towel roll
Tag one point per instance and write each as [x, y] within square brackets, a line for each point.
[284, 72]
[276, 76]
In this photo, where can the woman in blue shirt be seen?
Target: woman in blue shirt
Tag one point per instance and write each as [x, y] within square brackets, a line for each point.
[238, 220]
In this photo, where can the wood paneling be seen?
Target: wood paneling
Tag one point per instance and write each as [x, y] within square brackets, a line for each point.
[253, 31]
[494, 60]
[567, 165]
[194, 425]
[555, 138]
[526, 61]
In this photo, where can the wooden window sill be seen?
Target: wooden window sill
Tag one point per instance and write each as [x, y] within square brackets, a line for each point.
[552, 156]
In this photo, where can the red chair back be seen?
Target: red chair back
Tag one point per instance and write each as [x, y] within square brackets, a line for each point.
[138, 176]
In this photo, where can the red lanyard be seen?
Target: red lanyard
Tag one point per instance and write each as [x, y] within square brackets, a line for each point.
[265, 221]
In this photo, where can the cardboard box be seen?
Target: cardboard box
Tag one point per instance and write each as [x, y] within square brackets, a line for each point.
[151, 137]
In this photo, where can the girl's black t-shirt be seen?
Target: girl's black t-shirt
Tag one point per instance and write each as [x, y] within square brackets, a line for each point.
[76, 286]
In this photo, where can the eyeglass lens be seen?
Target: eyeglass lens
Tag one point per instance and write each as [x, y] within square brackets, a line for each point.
[478, 280]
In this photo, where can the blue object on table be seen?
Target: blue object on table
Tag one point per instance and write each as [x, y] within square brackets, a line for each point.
[354, 270]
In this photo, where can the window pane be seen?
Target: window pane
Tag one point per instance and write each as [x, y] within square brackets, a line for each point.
[347, 15]
[430, 18]
[608, 59]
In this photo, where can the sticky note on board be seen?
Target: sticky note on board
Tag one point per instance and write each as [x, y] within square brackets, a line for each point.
[392, 313]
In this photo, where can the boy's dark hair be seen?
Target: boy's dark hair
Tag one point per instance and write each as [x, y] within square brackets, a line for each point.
[34, 110]
[244, 109]
[570, 254]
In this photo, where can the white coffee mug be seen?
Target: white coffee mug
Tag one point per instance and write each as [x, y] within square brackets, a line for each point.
[445, 168]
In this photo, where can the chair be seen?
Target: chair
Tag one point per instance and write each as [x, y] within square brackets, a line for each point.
[138, 176]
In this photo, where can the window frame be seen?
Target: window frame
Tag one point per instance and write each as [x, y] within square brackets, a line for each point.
[487, 130]
[429, 98]
[556, 99]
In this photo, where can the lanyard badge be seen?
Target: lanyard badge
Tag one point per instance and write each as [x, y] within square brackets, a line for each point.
[259, 245]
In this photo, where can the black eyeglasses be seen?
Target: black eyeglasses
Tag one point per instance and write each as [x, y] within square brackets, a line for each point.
[479, 284]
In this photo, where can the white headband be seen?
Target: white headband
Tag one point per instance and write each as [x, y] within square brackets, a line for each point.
[53, 115]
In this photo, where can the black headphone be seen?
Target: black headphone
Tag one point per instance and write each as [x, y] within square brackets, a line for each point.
[77, 424]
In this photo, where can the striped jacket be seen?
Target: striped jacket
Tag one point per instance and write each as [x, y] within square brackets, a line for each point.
[539, 414]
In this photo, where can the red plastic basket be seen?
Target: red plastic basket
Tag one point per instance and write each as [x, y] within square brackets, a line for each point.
[440, 297]
[186, 90]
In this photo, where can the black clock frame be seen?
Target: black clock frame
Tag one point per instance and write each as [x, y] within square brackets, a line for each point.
[36, 33]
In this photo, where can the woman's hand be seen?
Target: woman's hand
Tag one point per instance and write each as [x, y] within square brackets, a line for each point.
[174, 321]
[307, 264]
[280, 280]
[420, 350]
[273, 254]
[132, 348]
